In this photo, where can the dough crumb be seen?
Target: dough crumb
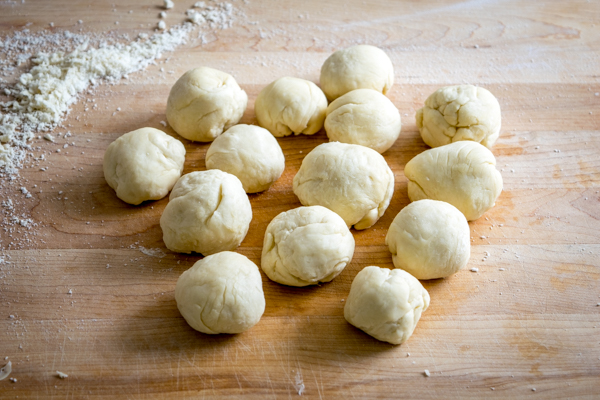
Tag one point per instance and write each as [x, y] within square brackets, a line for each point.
[533, 389]
[427, 373]
[474, 269]
[61, 375]
[49, 137]
[169, 4]
[161, 25]
[5, 371]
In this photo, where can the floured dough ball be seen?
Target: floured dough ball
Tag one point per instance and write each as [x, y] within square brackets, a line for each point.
[221, 293]
[462, 112]
[208, 212]
[204, 102]
[249, 152]
[143, 165]
[356, 67]
[291, 105]
[386, 304]
[365, 117]
[306, 246]
[429, 239]
[351, 180]
[463, 174]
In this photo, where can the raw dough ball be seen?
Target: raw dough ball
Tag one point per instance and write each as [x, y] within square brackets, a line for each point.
[351, 180]
[365, 117]
[386, 304]
[204, 102]
[462, 112]
[208, 212]
[429, 239]
[221, 293]
[291, 105]
[249, 152]
[463, 174]
[143, 165]
[306, 246]
[356, 67]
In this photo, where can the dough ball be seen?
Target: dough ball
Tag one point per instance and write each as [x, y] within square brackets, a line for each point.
[463, 174]
[143, 165]
[249, 152]
[291, 105]
[306, 246]
[365, 117]
[221, 293]
[208, 212]
[204, 102]
[351, 180]
[462, 112]
[356, 67]
[429, 239]
[386, 304]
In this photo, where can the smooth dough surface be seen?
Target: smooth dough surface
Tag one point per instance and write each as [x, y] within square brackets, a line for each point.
[204, 102]
[143, 165]
[357, 67]
[462, 112]
[365, 117]
[429, 239]
[386, 304]
[351, 180]
[291, 105]
[463, 174]
[306, 246]
[208, 212]
[249, 152]
[221, 293]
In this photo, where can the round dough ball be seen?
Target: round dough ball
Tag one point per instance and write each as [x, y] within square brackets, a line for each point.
[365, 117]
[429, 239]
[249, 152]
[291, 105]
[306, 246]
[221, 293]
[356, 67]
[463, 174]
[386, 304]
[143, 165]
[351, 180]
[462, 112]
[204, 102]
[208, 212]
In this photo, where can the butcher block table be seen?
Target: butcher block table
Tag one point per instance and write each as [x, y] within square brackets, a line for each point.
[90, 286]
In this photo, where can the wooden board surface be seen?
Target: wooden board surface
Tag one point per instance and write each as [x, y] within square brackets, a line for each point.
[529, 319]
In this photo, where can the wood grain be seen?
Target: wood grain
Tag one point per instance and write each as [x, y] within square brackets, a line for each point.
[89, 299]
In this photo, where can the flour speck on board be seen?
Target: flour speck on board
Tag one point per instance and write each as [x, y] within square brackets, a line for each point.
[299, 383]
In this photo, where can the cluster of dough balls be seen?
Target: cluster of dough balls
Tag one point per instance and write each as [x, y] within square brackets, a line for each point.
[342, 184]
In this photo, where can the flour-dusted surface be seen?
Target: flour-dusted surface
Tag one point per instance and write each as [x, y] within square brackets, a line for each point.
[91, 293]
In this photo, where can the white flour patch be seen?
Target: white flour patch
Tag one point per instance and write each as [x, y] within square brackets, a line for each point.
[299, 383]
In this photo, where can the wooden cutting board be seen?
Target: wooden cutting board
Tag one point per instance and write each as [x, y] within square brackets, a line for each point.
[91, 293]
